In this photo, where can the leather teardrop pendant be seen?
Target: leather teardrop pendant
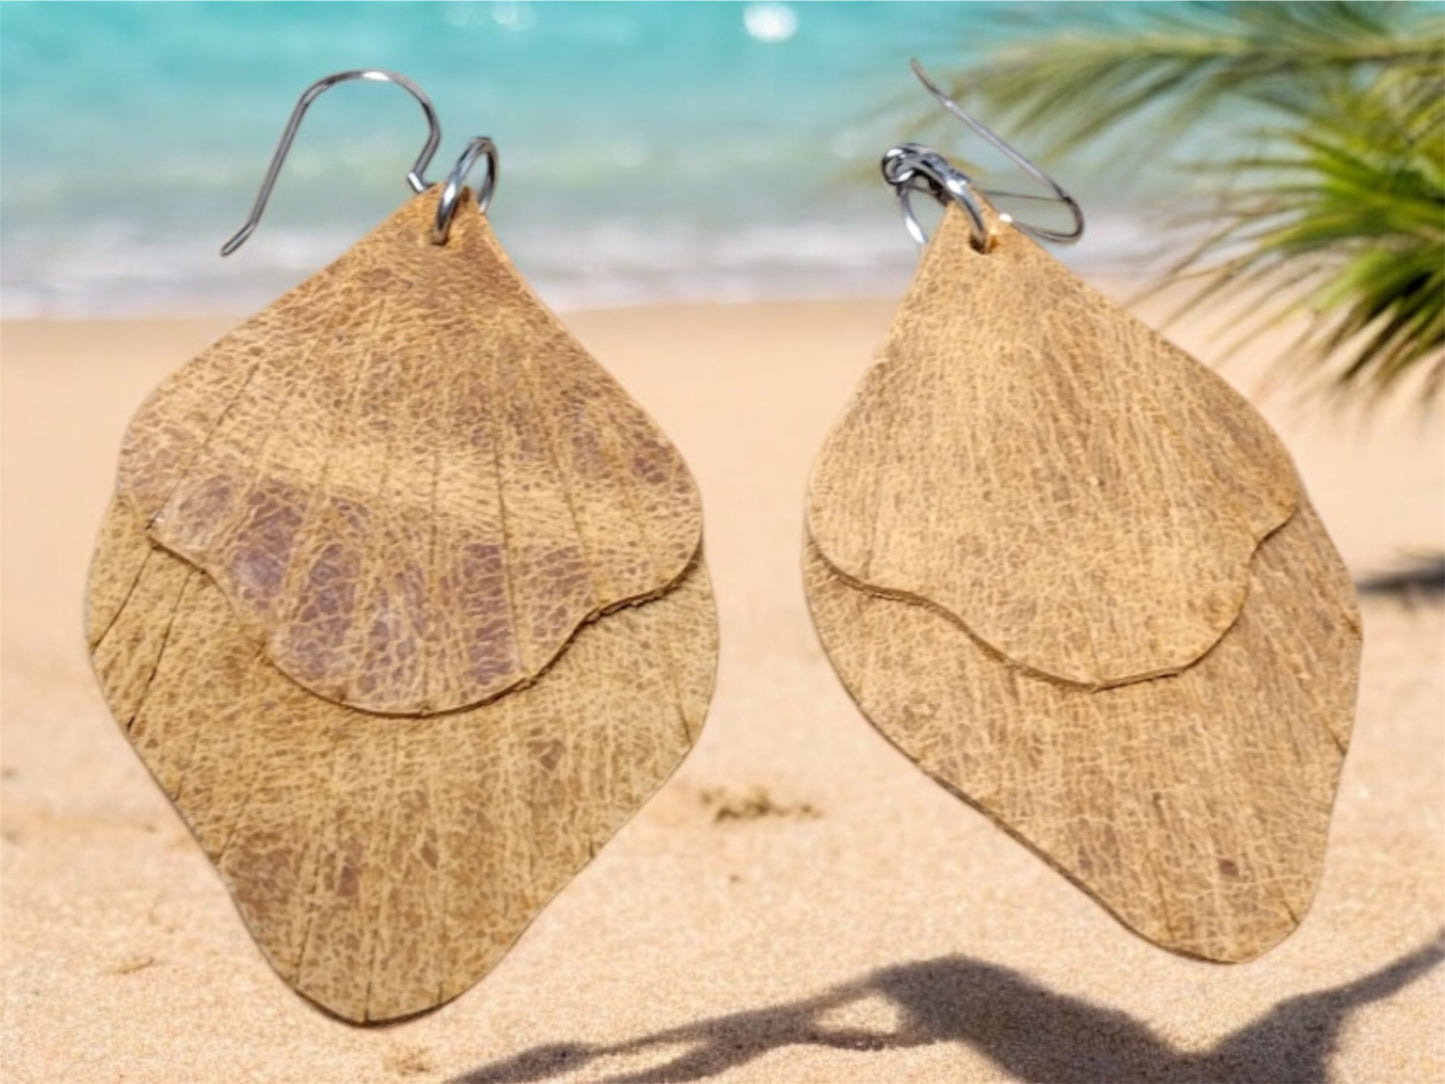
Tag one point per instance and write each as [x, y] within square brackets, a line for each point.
[1070, 573]
[401, 600]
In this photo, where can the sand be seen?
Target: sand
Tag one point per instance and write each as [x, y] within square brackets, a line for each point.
[852, 923]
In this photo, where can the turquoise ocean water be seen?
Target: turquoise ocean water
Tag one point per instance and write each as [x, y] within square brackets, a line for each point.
[649, 151]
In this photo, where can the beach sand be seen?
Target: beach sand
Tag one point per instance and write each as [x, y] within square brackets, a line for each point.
[857, 925]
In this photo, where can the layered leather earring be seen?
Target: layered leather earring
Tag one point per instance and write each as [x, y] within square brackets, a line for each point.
[401, 600]
[1074, 576]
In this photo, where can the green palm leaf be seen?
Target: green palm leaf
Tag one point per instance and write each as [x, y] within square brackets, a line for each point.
[1340, 214]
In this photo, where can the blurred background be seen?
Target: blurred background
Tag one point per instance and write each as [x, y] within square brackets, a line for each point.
[1289, 154]
[650, 151]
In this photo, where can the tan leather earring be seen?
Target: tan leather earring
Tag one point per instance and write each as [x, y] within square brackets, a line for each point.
[401, 600]
[1074, 576]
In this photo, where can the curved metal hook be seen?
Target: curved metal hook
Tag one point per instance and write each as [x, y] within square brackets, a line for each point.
[310, 94]
[478, 147]
[911, 167]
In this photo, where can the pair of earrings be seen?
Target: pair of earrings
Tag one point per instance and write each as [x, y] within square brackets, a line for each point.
[401, 598]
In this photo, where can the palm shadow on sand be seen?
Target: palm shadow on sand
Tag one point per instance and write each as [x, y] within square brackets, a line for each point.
[1028, 1031]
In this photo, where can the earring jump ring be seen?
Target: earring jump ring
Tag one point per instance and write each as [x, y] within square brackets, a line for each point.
[479, 147]
[912, 167]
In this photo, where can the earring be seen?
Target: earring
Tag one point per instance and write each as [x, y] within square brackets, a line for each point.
[1072, 575]
[402, 602]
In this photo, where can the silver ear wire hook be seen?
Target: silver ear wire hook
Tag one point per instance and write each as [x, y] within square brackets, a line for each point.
[310, 94]
[912, 167]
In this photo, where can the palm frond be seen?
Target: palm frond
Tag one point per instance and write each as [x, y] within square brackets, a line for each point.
[1177, 63]
[1348, 226]
[1340, 211]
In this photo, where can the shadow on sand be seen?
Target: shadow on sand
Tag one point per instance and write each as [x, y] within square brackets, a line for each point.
[1029, 1032]
[1420, 579]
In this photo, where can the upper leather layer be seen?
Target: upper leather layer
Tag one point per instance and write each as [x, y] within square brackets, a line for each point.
[406, 476]
[1078, 492]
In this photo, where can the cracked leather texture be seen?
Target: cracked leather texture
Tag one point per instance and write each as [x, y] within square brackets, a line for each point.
[1079, 492]
[1164, 728]
[384, 861]
[408, 477]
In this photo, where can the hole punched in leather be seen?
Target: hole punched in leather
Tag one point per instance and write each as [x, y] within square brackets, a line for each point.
[1073, 575]
[401, 599]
